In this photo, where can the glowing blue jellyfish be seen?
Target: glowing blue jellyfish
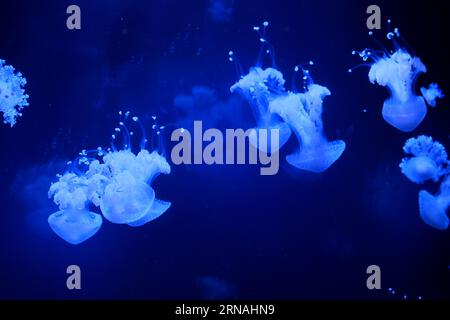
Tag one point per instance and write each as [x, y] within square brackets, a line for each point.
[398, 70]
[116, 181]
[431, 94]
[428, 160]
[259, 87]
[303, 113]
[12, 95]
[433, 208]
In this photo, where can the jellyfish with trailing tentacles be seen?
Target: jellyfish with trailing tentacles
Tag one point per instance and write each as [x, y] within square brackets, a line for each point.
[259, 87]
[433, 208]
[428, 160]
[12, 95]
[116, 181]
[398, 70]
[303, 113]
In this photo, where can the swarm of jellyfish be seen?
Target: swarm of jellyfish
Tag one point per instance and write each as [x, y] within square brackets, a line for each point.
[398, 70]
[117, 181]
[428, 161]
[259, 87]
[276, 108]
[12, 95]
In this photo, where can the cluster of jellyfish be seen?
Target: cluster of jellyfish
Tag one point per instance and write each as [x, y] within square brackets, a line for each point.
[427, 161]
[398, 70]
[12, 95]
[116, 180]
[276, 108]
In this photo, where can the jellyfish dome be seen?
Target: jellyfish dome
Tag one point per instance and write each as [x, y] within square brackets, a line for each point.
[427, 161]
[12, 95]
[260, 86]
[303, 113]
[433, 208]
[398, 71]
[117, 181]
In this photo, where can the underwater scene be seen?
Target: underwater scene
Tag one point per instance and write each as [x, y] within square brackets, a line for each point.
[224, 150]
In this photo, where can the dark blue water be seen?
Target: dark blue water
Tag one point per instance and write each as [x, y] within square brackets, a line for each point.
[230, 232]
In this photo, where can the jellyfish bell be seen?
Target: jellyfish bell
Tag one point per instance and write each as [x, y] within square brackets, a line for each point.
[303, 113]
[75, 225]
[259, 87]
[419, 169]
[398, 70]
[126, 199]
[433, 209]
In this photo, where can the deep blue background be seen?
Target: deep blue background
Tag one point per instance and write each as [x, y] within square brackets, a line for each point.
[293, 235]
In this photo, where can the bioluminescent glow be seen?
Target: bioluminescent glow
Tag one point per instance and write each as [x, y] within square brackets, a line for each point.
[428, 159]
[12, 95]
[398, 70]
[117, 181]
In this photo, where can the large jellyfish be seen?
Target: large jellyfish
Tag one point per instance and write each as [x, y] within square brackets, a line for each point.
[303, 113]
[116, 181]
[259, 87]
[12, 95]
[398, 71]
[433, 208]
[428, 159]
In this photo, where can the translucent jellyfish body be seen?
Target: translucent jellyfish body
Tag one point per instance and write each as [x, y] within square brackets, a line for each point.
[433, 208]
[12, 95]
[427, 161]
[303, 113]
[398, 70]
[260, 86]
[116, 181]
[74, 225]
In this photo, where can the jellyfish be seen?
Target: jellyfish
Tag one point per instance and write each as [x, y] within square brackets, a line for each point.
[428, 160]
[73, 222]
[118, 182]
[259, 87]
[433, 208]
[398, 70]
[431, 94]
[12, 95]
[303, 113]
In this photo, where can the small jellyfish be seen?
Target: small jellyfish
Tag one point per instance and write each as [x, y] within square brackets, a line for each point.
[12, 95]
[431, 94]
[259, 87]
[433, 208]
[398, 71]
[303, 113]
[428, 160]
